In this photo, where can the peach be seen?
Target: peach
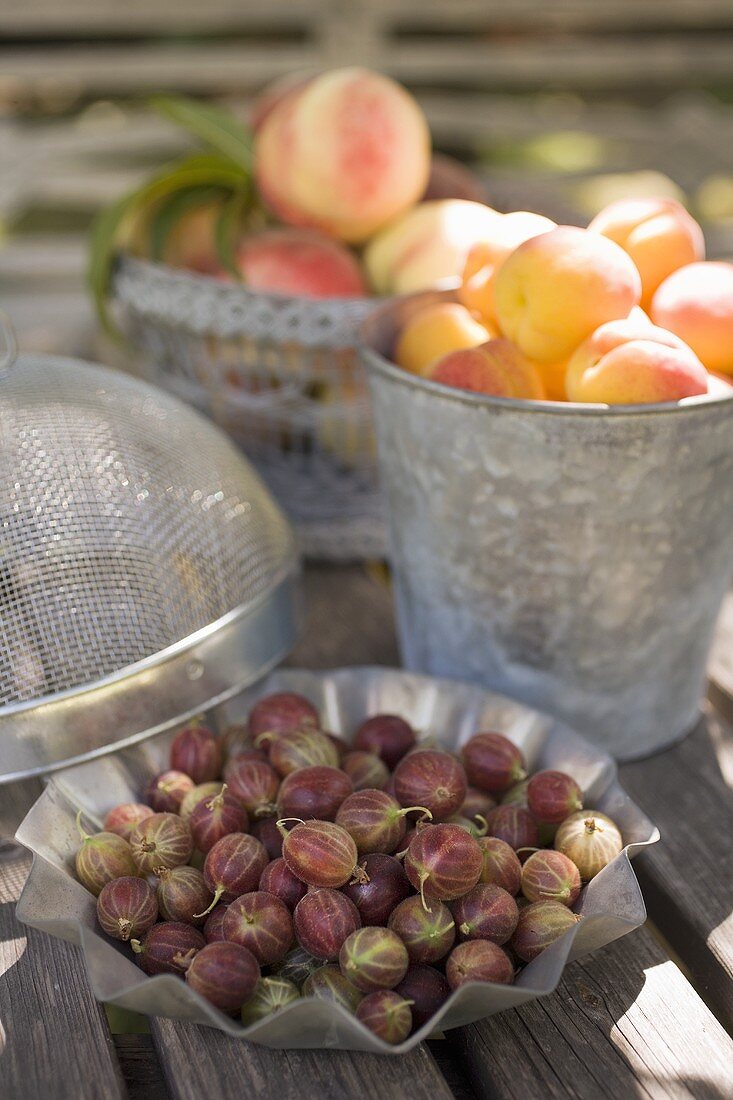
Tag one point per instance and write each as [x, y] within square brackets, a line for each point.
[433, 332]
[300, 262]
[273, 94]
[346, 152]
[497, 368]
[696, 303]
[658, 234]
[450, 179]
[485, 259]
[625, 363]
[427, 245]
[557, 288]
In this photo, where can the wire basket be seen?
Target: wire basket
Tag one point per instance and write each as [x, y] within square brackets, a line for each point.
[281, 375]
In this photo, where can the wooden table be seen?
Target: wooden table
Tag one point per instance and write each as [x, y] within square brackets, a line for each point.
[650, 1016]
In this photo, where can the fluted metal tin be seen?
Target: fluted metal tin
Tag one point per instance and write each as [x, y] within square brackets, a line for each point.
[447, 713]
[572, 556]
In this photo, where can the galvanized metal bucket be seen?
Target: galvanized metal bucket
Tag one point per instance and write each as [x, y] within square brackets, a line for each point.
[572, 556]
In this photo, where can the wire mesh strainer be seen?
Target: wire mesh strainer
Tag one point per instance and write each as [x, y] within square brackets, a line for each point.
[145, 571]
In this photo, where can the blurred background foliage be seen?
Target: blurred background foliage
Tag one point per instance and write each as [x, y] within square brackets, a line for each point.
[561, 104]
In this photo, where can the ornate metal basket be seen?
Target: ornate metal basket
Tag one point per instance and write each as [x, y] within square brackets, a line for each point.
[281, 375]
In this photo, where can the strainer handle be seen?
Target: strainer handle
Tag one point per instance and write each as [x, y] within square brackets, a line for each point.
[8, 343]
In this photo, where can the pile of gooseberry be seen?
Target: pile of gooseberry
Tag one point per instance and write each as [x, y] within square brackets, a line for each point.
[276, 861]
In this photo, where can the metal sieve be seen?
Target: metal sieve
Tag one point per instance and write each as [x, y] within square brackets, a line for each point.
[145, 571]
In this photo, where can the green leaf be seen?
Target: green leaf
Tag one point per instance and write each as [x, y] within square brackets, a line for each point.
[213, 125]
[195, 171]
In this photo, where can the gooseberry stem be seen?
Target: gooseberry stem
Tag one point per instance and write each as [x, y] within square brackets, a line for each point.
[215, 900]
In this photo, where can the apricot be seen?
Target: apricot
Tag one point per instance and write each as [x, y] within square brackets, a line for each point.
[554, 290]
[191, 243]
[485, 259]
[433, 332]
[658, 234]
[301, 262]
[696, 303]
[626, 363]
[497, 368]
[346, 152]
[427, 246]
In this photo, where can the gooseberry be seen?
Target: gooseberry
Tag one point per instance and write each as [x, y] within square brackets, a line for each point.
[375, 820]
[126, 907]
[212, 928]
[278, 880]
[431, 779]
[233, 867]
[493, 763]
[103, 857]
[262, 923]
[552, 796]
[428, 934]
[539, 925]
[162, 840]
[165, 792]
[321, 853]
[386, 735]
[373, 958]
[270, 995]
[268, 833]
[122, 819]
[302, 748]
[168, 948]
[487, 912]
[443, 862]
[515, 825]
[550, 876]
[226, 974]
[297, 966]
[427, 988]
[477, 805]
[478, 961]
[365, 769]
[317, 792]
[387, 1015]
[590, 839]
[323, 919]
[254, 783]
[216, 817]
[328, 984]
[196, 751]
[501, 864]
[198, 794]
[182, 894]
[386, 886]
[281, 712]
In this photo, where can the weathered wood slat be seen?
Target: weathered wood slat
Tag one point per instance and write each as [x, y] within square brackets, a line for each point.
[623, 1023]
[87, 17]
[54, 1039]
[611, 61]
[140, 1068]
[687, 880]
[200, 1062]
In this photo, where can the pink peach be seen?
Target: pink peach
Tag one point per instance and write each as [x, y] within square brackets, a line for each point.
[658, 234]
[556, 289]
[301, 262]
[427, 246]
[696, 303]
[624, 363]
[346, 153]
[496, 368]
